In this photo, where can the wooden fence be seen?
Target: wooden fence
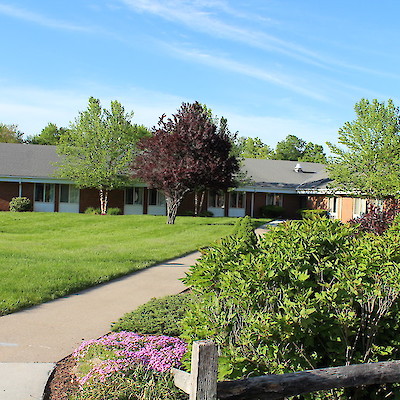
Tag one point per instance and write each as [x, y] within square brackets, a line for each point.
[201, 382]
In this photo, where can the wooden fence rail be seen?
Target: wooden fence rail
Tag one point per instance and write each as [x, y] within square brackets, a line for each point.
[201, 382]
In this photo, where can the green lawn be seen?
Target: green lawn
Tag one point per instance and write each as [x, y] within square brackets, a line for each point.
[48, 255]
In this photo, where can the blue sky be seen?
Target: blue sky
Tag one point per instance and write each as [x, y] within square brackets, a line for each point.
[272, 68]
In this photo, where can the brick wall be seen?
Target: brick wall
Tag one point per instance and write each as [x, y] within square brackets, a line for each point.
[91, 198]
[8, 190]
[317, 202]
[259, 201]
[291, 204]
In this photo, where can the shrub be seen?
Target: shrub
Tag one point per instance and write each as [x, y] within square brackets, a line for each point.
[206, 213]
[271, 211]
[93, 211]
[20, 204]
[114, 211]
[126, 365]
[158, 316]
[376, 220]
[302, 298]
[313, 213]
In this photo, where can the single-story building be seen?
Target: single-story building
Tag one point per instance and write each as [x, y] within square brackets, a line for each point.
[29, 170]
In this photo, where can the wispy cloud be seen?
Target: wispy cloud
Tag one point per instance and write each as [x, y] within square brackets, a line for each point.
[287, 82]
[207, 16]
[202, 17]
[39, 19]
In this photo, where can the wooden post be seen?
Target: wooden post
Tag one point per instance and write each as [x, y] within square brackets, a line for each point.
[204, 370]
[201, 383]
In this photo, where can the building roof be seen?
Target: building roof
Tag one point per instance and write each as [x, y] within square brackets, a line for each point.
[27, 160]
[39, 162]
[276, 175]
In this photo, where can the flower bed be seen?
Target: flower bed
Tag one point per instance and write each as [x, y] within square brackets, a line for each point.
[129, 363]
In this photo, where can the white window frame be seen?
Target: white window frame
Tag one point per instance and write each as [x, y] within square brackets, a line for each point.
[72, 199]
[48, 193]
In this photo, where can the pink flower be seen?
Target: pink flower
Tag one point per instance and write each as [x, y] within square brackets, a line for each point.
[128, 350]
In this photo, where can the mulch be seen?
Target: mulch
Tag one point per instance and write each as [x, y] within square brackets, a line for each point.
[62, 383]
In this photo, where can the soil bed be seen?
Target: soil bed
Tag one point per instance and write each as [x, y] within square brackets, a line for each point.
[62, 383]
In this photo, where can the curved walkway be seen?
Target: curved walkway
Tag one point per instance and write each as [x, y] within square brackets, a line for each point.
[48, 332]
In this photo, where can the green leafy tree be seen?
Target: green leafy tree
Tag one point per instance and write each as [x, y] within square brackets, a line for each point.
[295, 149]
[99, 148]
[254, 148]
[313, 153]
[50, 135]
[291, 148]
[10, 134]
[367, 159]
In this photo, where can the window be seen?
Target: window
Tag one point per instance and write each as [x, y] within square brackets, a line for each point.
[360, 206]
[134, 195]
[69, 194]
[216, 200]
[236, 200]
[333, 203]
[156, 198]
[44, 192]
[273, 199]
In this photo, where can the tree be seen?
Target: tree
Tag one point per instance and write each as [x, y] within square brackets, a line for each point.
[313, 153]
[99, 148]
[50, 135]
[254, 148]
[294, 149]
[10, 134]
[291, 148]
[369, 163]
[184, 153]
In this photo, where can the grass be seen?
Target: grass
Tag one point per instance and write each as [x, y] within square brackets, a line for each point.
[44, 256]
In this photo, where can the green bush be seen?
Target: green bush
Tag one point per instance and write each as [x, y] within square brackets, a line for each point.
[114, 211]
[20, 204]
[272, 211]
[158, 316]
[304, 297]
[93, 211]
[313, 213]
[206, 213]
[110, 211]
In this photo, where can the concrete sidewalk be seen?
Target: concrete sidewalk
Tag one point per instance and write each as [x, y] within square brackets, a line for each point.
[47, 333]
[33, 340]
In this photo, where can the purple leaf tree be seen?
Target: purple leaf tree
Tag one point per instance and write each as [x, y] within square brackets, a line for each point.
[186, 153]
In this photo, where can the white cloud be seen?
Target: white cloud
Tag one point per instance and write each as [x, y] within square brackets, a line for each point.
[248, 70]
[39, 19]
[199, 16]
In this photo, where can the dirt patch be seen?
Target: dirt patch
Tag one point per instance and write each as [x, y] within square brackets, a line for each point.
[62, 383]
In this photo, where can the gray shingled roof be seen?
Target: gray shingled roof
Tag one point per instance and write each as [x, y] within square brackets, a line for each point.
[281, 174]
[27, 160]
[36, 161]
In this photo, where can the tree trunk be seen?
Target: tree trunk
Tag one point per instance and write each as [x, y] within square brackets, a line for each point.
[172, 208]
[202, 200]
[103, 201]
[196, 203]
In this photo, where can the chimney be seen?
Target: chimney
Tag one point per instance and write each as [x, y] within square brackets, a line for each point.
[298, 168]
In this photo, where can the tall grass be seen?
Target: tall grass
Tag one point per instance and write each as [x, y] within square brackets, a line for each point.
[44, 256]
